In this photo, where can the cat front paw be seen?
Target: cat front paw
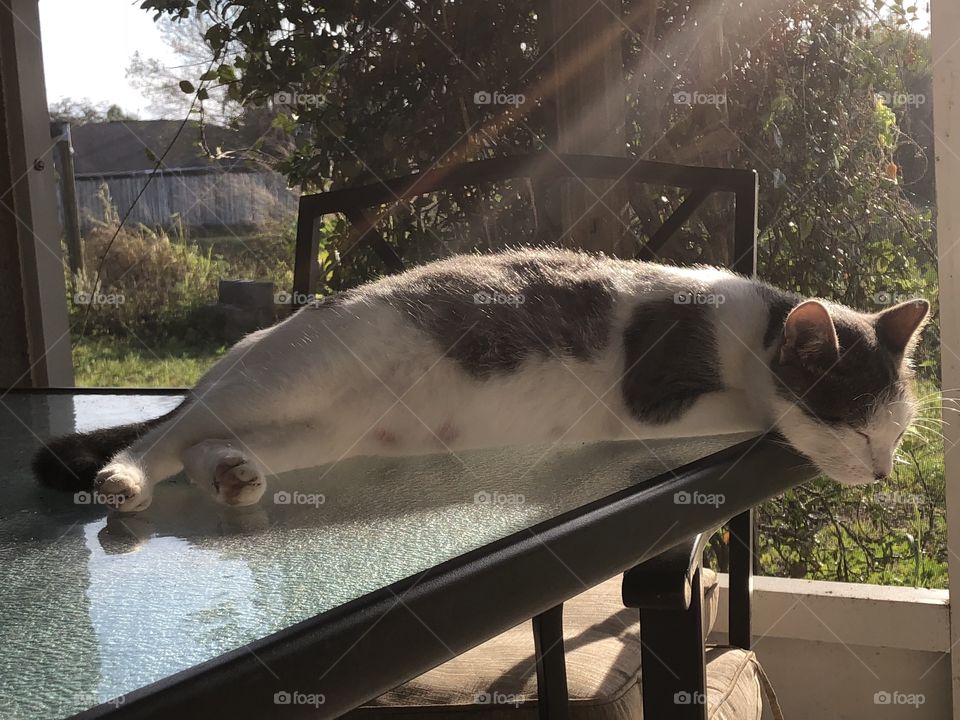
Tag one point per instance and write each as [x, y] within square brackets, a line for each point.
[123, 488]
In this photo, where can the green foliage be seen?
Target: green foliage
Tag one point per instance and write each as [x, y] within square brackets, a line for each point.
[149, 283]
[365, 92]
[801, 104]
[358, 71]
[370, 92]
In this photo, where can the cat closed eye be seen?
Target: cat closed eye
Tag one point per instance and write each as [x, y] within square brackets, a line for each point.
[832, 420]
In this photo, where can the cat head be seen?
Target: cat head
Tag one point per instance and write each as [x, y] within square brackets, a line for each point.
[843, 378]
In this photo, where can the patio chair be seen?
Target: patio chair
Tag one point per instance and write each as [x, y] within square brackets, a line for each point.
[608, 669]
[594, 656]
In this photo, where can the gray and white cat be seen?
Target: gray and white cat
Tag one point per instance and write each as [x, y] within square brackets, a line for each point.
[525, 346]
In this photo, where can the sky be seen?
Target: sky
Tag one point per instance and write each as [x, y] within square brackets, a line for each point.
[87, 46]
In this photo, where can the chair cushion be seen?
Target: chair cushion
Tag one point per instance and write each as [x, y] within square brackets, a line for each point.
[498, 679]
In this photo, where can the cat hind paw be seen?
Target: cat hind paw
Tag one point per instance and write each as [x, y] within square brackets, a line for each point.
[122, 487]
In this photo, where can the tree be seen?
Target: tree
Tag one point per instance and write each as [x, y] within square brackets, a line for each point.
[370, 94]
[80, 112]
[161, 82]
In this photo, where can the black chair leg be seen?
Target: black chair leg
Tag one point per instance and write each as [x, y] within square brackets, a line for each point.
[553, 701]
[672, 660]
[741, 579]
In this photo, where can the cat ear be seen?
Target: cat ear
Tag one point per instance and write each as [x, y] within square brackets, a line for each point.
[897, 326]
[809, 337]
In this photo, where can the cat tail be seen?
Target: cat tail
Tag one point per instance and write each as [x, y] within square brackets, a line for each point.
[72, 462]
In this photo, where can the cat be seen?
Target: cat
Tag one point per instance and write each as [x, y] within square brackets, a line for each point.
[523, 346]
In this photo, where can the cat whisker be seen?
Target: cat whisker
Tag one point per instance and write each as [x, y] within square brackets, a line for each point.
[936, 429]
[933, 408]
[940, 391]
[929, 427]
[925, 423]
[930, 420]
[937, 402]
[928, 434]
[936, 393]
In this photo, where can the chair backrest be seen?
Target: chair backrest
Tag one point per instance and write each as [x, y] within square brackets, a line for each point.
[541, 169]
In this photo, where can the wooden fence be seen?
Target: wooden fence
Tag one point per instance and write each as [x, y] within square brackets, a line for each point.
[197, 200]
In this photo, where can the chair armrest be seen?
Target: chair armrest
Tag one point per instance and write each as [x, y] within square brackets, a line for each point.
[665, 582]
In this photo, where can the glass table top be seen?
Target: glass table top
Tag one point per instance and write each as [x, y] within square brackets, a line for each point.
[98, 606]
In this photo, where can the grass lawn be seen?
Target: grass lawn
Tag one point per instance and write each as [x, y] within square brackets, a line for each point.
[126, 362]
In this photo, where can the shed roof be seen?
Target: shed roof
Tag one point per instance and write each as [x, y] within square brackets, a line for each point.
[120, 147]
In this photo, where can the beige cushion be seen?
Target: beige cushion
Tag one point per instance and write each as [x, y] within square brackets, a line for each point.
[601, 637]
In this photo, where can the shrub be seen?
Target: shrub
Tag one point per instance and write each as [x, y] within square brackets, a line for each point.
[142, 280]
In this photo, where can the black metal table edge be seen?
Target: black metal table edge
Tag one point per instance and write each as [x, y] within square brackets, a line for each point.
[396, 633]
